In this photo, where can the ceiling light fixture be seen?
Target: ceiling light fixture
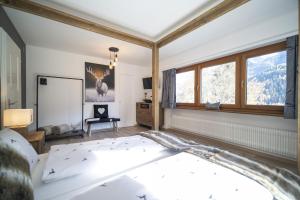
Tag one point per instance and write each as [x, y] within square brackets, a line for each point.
[113, 59]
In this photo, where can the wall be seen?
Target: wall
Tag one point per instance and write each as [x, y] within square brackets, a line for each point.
[9, 28]
[260, 34]
[45, 61]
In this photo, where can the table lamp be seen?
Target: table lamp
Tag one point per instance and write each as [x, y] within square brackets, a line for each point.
[18, 119]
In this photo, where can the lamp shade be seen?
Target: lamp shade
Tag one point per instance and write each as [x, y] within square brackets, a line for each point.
[17, 117]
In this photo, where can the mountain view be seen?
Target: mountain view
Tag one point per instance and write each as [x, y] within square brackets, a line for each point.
[266, 79]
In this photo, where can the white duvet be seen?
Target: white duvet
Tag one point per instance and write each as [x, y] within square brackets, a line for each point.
[99, 157]
[179, 177]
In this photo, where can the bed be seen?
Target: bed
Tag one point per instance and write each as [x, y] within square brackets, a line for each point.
[156, 165]
[113, 157]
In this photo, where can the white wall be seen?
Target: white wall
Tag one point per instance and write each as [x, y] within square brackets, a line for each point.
[45, 61]
[260, 34]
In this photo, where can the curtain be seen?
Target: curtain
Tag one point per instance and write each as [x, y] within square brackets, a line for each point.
[291, 76]
[169, 89]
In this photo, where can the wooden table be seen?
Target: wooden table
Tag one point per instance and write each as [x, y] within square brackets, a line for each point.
[37, 140]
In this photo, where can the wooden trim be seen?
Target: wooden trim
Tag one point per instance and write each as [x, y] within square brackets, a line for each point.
[208, 16]
[253, 53]
[56, 15]
[155, 84]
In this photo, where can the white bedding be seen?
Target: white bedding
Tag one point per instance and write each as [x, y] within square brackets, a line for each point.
[184, 177]
[111, 157]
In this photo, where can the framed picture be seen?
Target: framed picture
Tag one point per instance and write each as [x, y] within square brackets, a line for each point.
[99, 83]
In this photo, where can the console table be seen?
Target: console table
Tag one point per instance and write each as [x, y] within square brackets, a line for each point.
[91, 121]
[144, 114]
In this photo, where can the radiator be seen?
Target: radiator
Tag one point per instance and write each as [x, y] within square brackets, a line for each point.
[277, 142]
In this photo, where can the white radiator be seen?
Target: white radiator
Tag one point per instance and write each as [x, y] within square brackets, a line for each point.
[269, 140]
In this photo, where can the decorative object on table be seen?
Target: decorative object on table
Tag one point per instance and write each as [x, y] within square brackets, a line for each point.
[99, 83]
[101, 111]
[18, 119]
[113, 57]
[212, 106]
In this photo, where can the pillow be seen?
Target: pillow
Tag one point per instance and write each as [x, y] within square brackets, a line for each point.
[101, 111]
[15, 181]
[20, 144]
[212, 106]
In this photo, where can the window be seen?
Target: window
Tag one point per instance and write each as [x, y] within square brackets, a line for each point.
[218, 83]
[249, 82]
[266, 79]
[185, 87]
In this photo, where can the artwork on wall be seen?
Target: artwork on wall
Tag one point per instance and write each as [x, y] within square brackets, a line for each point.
[99, 83]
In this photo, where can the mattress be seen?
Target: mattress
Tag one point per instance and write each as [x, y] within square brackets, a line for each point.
[71, 186]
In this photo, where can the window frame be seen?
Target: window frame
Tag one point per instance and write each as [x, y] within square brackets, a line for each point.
[250, 54]
[220, 61]
[240, 105]
[187, 69]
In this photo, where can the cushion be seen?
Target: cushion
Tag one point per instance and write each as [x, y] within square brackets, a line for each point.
[212, 106]
[20, 144]
[101, 111]
[15, 181]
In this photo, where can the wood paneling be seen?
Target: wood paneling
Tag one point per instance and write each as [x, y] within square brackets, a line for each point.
[208, 16]
[155, 85]
[56, 15]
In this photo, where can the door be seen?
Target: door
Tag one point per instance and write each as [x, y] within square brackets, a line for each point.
[10, 55]
[13, 74]
[127, 100]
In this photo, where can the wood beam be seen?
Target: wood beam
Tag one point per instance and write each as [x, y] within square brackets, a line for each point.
[155, 84]
[56, 15]
[208, 16]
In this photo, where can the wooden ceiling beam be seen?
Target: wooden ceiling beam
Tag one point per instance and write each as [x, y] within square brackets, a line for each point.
[56, 15]
[208, 16]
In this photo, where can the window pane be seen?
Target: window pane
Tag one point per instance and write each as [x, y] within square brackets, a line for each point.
[266, 79]
[218, 84]
[185, 83]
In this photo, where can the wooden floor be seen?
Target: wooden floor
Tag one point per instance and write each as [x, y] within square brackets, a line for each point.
[128, 131]
[97, 135]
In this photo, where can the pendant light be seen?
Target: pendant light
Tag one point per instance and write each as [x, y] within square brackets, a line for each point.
[113, 57]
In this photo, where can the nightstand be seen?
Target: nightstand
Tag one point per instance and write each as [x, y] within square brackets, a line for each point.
[37, 140]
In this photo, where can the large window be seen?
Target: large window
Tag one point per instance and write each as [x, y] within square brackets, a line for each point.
[266, 79]
[247, 82]
[185, 87]
[218, 84]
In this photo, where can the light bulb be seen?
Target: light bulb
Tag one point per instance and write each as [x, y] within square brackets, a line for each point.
[114, 64]
[116, 58]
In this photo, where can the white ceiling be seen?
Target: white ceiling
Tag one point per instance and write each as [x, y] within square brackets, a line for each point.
[38, 31]
[43, 32]
[149, 19]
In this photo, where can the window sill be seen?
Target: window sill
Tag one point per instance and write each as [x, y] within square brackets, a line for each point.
[278, 113]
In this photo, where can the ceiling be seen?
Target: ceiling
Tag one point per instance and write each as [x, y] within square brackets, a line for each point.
[148, 19]
[43, 32]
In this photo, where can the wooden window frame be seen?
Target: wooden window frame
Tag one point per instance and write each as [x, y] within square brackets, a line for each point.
[220, 61]
[240, 105]
[187, 69]
[250, 54]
